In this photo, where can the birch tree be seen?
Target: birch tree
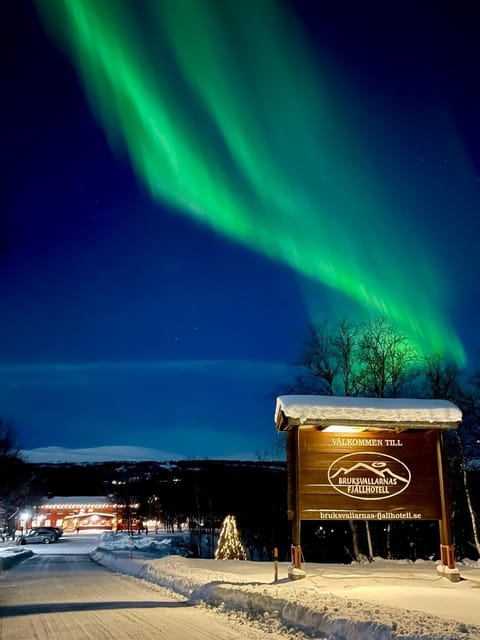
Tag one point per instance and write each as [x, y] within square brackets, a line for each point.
[443, 380]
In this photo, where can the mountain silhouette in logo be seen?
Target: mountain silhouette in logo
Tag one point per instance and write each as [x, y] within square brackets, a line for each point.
[381, 473]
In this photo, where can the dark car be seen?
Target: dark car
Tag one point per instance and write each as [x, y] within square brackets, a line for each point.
[56, 531]
[36, 536]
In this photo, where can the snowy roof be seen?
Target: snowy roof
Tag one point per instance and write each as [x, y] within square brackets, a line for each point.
[387, 413]
[76, 500]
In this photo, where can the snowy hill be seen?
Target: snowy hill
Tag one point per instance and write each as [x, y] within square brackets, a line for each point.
[116, 453]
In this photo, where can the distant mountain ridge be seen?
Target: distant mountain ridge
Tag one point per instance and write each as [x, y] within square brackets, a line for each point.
[115, 453]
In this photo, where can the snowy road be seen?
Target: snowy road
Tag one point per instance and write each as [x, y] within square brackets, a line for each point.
[69, 597]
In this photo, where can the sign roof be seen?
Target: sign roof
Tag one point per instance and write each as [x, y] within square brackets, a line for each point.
[384, 413]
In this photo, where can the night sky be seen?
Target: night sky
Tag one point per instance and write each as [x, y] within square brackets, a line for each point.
[187, 184]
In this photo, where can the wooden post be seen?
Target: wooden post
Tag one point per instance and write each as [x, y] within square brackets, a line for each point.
[296, 513]
[447, 551]
[295, 571]
[275, 564]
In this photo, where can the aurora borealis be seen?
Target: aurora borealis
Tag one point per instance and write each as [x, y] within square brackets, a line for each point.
[187, 184]
[229, 115]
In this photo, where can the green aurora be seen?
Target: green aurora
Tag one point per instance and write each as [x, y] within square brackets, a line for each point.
[228, 116]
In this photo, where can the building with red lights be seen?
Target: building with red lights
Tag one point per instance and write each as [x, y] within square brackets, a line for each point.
[81, 513]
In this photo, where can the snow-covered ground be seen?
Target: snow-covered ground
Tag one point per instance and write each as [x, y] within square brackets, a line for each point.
[386, 600]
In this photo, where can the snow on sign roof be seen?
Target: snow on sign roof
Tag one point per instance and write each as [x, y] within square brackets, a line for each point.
[387, 413]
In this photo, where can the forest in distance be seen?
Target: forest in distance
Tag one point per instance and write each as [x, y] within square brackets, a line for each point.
[196, 496]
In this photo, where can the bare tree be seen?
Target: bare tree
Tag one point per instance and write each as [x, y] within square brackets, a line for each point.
[371, 358]
[442, 378]
[319, 359]
[386, 359]
[15, 477]
[344, 341]
[443, 381]
[471, 511]
[8, 441]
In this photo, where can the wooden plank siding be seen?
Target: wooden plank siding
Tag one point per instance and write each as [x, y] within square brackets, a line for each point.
[368, 475]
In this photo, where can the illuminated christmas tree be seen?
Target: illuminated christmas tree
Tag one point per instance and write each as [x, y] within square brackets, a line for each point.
[229, 545]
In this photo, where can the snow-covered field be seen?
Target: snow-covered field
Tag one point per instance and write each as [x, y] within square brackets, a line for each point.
[386, 600]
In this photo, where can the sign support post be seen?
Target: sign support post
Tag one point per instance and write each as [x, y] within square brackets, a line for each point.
[295, 571]
[447, 549]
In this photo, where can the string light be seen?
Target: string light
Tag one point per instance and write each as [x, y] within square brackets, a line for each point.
[229, 545]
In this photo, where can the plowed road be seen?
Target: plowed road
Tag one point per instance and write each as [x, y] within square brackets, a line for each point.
[69, 597]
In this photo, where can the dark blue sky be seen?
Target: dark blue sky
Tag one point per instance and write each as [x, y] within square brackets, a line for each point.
[125, 323]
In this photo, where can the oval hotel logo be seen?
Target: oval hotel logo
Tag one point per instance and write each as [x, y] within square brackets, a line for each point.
[368, 475]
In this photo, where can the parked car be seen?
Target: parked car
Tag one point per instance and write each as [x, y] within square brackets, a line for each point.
[56, 531]
[37, 536]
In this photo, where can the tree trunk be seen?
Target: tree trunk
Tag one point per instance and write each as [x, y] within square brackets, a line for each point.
[389, 541]
[369, 541]
[467, 494]
[355, 540]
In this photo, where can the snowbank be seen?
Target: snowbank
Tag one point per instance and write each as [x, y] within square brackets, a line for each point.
[338, 601]
[385, 600]
[11, 556]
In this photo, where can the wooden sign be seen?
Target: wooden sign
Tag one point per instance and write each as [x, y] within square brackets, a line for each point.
[376, 475]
